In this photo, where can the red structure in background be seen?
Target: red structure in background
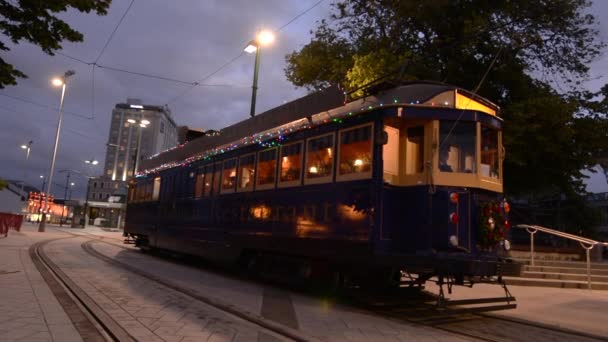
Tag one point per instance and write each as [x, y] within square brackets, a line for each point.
[10, 221]
[36, 206]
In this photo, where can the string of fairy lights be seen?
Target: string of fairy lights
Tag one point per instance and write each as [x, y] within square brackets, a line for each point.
[275, 136]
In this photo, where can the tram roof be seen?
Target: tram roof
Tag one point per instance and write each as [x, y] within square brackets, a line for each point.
[314, 108]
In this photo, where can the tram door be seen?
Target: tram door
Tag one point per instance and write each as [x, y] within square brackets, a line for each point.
[464, 224]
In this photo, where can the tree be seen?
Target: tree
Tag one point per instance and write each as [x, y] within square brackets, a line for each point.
[550, 135]
[35, 22]
[3, 184]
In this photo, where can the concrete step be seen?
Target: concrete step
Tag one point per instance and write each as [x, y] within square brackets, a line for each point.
[567, 264]
[566, 270]
[570, 284]
[562, 276]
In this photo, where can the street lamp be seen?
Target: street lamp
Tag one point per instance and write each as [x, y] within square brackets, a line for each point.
[56, 82]
[264, 38]
[86, 199]
[27, 148]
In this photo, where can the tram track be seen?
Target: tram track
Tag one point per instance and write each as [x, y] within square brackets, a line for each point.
[265, 324]
[91, 322]
[476, 326]
[481, 326]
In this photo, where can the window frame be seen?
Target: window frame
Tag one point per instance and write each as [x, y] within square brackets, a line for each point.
[276, 169]
[238, 173]
[358, 175]
[236, 164]
[325, 179]
[287, 184]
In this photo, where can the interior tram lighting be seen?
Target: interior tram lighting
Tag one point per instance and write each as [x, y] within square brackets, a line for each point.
[313, 169]
[358, 162]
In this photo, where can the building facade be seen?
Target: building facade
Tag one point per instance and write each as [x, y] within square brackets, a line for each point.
[127, 134]
[137, 131]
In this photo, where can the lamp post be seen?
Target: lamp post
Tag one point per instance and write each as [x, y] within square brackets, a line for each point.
[86, 200]
[27, 149]
[56, 82]
[142, 124]
[41, 195]
[263, 38]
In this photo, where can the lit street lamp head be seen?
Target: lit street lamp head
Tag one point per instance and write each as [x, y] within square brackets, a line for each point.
[131, 121]
[59, 81]
[24, 147]
[265, 38]
[145, 122]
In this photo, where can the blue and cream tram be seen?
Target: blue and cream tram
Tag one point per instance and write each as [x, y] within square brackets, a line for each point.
[407, 178]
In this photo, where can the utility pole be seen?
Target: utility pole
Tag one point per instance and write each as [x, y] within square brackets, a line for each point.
[65, 196]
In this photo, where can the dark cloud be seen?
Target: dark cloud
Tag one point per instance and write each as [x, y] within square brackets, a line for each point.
[185, 40]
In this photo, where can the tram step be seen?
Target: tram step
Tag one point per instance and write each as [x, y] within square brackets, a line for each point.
[566, 276]
[571, 284]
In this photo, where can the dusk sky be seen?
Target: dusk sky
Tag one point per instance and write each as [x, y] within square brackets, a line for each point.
[183, 40]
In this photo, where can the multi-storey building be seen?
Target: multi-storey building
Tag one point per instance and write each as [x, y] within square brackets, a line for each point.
[136, 132]
[127, 134]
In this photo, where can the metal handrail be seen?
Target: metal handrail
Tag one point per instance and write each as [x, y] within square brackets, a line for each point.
[586, 243]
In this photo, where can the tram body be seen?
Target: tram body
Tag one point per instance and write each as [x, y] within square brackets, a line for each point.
[400, 180]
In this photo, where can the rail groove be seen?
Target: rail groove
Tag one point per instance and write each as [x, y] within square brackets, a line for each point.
[272, 326]
[91, 321]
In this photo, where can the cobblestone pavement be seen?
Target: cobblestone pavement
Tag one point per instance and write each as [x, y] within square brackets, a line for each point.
[323, 320]
[152, 312]
[28, 309]
[146, 310]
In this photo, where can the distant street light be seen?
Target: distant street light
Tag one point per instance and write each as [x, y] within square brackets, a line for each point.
[264, 38]
[28, 148]
[92, 161]
[57, 82]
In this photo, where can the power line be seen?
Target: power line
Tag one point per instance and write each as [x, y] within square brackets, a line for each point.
[175, 98]
[299, 15]
[198, 83]
[44, 105]
[113, 32]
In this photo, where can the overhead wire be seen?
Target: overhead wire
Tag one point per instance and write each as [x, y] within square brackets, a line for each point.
[113, 32]
[44, 105]
[182, 94]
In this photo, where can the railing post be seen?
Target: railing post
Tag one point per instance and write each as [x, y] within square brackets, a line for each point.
[588, 250]
[532, 232]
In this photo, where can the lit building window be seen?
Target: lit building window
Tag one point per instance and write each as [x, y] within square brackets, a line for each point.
[356, 152]
[229, 176]
[291, 164]
[267, 169]
[320, 158]
[246, 172]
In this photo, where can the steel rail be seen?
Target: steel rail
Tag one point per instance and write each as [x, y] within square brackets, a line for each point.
[274, 327]
[90, 320]
[586, 243]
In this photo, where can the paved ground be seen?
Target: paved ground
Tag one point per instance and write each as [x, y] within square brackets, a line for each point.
[151, 312]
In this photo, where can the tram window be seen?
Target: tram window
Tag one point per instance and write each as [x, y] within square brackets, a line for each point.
[217, 178]
[319, 159]
[489, 152]
[229, 176]
[355, 154]
[267, 169]
[246, 173]
[457, 147]
[207, 180]
[291, 164]
[415, 150]
[156, 189]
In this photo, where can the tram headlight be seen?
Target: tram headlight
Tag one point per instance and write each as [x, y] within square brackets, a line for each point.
[454, 241]
[506, 245]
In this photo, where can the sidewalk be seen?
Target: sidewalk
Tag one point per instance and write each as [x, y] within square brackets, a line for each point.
[28, 309]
